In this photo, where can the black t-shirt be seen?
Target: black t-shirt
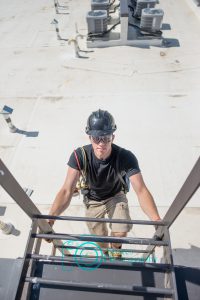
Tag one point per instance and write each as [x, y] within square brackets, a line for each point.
[102, 175]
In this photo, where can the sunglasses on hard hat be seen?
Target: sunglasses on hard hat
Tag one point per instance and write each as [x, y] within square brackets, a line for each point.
[105, 139]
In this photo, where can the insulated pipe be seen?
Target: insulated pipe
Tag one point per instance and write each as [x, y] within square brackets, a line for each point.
[6, 112]
[55, 22]
[28, 191]
[56, 6]
[9, 122]
[76, 47]
[7, 228]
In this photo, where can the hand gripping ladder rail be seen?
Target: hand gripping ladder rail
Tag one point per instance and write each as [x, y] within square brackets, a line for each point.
[42, 276]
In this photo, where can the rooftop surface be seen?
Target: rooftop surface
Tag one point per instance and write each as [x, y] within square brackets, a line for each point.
[153, 93]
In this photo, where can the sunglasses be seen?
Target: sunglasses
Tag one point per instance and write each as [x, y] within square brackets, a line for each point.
[105, 139]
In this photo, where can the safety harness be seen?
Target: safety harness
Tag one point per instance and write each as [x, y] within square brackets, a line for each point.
[82, 184]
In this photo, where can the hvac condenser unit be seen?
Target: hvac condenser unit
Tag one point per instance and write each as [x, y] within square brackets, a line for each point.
[134, 2]
[100, 4]
[141, 4]
[97, 21]
[151, 19]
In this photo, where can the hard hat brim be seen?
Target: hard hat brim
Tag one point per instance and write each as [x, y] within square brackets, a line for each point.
[100, 132]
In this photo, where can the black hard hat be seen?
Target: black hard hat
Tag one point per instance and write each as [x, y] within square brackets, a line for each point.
[99, 123]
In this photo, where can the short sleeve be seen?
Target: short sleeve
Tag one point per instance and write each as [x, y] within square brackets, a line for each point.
[73, 163]
[129, 163]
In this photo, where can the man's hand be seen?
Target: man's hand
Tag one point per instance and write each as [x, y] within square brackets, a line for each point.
[156, 227]
[157, 219]
[51, 223]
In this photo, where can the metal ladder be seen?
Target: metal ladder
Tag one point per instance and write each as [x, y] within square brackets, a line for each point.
[32, 285]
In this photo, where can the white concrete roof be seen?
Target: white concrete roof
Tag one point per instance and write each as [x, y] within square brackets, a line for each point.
[152, 93]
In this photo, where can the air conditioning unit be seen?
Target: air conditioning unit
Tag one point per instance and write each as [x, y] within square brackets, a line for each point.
[141, 4]
[151, 19]
[134, 3]
[100, 4]
[97, 21]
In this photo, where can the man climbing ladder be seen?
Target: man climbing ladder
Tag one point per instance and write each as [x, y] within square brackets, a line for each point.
[102, 170]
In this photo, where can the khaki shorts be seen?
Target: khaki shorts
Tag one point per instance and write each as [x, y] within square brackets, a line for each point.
[115, 207]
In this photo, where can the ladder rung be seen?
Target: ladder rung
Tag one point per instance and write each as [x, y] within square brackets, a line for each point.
[115, 263]
[68, 247]
[102, 220]
[103, 286]
[77, 237]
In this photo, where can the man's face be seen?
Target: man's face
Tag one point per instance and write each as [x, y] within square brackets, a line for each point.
[102, 145]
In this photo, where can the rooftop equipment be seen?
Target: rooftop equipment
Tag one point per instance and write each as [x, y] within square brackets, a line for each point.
[97, 21]
[100, 4]
[151, 19]
[141, 4]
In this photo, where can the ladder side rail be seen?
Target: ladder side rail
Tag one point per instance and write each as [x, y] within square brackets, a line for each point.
[26, 262]
[186, 192]
[33, 263]
[169, 260]
[188, 189]
[16, 192]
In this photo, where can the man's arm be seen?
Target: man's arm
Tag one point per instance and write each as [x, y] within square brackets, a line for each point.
[144, 196]
[63, 198]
